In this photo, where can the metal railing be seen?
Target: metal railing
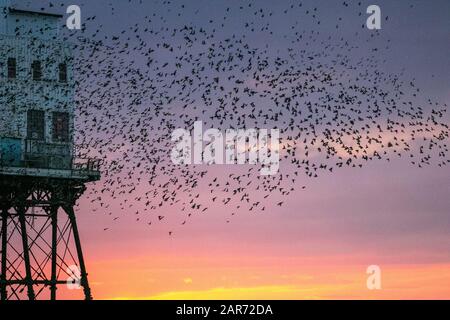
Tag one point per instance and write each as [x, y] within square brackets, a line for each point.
[89, 165]
[44, 156]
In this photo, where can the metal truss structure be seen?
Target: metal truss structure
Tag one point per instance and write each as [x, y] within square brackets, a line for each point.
[40, 244]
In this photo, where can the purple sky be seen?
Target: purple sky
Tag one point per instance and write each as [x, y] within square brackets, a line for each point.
[385, 213]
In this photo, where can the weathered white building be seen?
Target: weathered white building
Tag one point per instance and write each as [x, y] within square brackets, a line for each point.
[36, 91]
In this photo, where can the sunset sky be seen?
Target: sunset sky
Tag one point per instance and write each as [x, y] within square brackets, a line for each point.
[318, 246]
[320, 243]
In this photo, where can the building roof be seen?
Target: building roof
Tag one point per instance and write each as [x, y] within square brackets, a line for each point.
[47, 14]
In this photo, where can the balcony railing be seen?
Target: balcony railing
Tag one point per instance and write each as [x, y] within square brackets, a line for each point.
[53, 158]
[87, 165]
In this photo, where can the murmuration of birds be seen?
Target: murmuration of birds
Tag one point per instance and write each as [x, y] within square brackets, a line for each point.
[328, 93]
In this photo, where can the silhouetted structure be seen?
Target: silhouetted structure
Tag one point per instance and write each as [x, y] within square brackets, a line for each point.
[40, 179]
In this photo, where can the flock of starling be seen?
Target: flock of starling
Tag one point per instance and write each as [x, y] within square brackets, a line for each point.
[329, 93]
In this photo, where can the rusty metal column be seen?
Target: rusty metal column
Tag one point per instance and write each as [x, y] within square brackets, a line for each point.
[3, 291]
[84, 280]
[26, 254]
[54, 218]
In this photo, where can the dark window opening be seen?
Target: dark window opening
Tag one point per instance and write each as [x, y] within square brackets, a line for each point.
[62, 72]
[12, 68]
[35, 125]
[36, 68]
[60, 127]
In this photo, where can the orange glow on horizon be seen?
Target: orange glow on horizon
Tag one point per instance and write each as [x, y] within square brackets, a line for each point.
[138, 280]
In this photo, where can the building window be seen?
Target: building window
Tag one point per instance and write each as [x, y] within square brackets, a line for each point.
[62, 72]
[36, 69]
[60, 127]
[12, 68]
[35, 124]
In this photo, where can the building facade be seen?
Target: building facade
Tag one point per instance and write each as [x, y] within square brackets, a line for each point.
[36, 91]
